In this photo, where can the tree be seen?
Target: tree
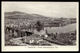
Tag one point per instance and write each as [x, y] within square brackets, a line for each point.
[39, 26]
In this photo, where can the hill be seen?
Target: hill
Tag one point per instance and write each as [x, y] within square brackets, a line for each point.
[22, 15]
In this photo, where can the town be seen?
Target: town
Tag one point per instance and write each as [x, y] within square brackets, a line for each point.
[24, 29]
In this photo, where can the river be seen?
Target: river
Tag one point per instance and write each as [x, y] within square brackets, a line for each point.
[63, 29]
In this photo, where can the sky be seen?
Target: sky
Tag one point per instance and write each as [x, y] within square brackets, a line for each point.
[50, 9]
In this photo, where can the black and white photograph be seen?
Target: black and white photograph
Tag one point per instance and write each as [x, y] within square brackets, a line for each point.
[40, 24]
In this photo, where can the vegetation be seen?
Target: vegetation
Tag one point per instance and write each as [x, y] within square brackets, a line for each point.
[39, 26]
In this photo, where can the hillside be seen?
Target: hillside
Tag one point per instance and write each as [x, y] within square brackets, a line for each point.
[22, 15]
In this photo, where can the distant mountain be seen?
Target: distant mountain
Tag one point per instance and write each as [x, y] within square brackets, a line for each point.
[17, 14]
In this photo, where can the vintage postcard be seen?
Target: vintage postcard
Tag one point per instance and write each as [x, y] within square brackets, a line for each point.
[40, 26]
